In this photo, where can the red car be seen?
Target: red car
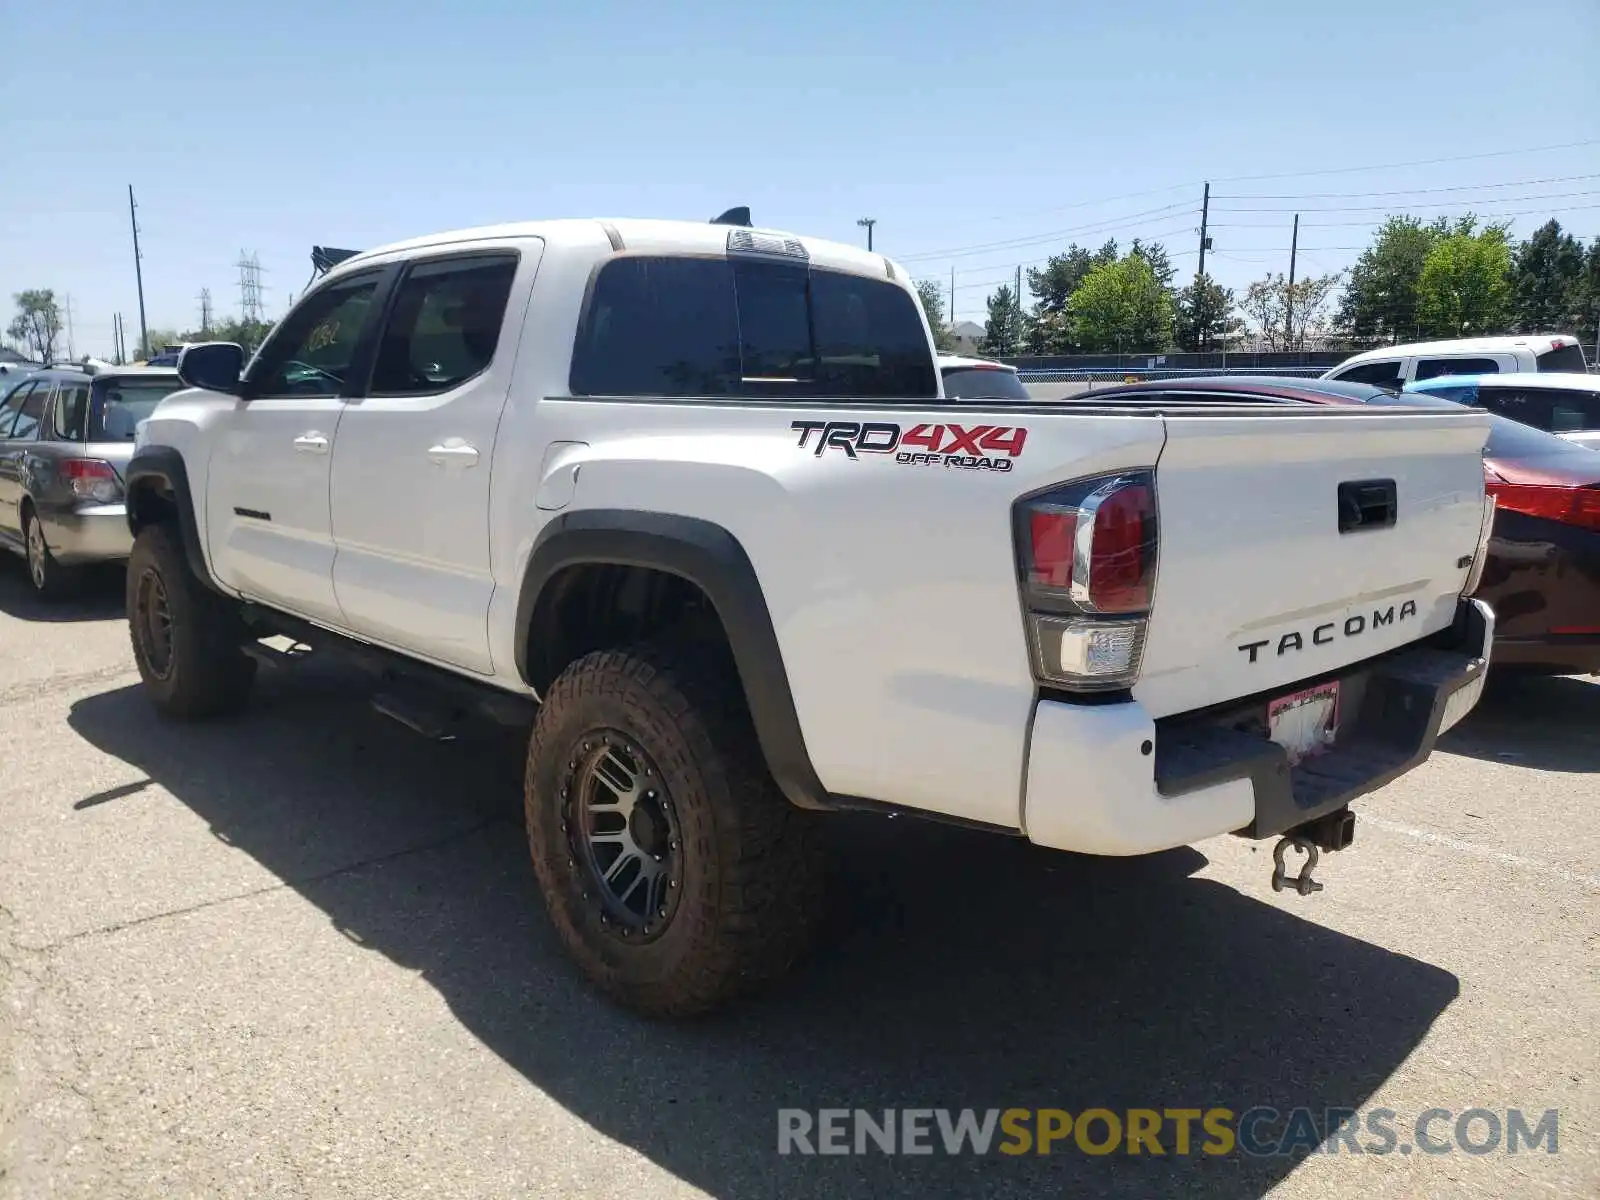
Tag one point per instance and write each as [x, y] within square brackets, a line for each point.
[1543, 574]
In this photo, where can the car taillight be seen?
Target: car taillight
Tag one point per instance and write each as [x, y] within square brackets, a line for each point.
[92, 479]
[1568, 505]
[1087, 562]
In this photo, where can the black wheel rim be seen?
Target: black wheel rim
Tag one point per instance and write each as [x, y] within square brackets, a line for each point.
[153, 621]
[623, 832]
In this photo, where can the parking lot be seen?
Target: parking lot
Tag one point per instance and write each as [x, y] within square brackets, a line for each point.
[301, 954]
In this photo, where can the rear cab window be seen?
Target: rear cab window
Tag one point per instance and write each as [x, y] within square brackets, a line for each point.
[118, 404]
[1562, 358]
[748, 326]
[983, 383]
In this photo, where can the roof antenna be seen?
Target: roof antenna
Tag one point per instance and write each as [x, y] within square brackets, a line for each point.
[734, 216]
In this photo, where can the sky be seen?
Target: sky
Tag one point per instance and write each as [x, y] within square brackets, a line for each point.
[979, 136]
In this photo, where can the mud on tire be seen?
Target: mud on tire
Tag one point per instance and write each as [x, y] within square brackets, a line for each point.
[645, 782]
[187, 639]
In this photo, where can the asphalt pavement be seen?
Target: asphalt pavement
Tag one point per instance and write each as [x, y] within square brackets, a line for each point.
[300, 954]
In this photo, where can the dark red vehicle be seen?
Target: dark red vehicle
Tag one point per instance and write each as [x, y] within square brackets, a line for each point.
[1543, 574]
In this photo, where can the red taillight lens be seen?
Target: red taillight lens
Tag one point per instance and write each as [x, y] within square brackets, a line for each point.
[1568, 505]
[92, 479]
[1122, 552]
[1052, 533]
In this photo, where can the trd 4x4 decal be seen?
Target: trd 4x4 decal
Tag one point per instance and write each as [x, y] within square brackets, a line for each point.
[967, 447]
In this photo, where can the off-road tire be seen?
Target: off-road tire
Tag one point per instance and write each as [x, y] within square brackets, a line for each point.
[751, 867]
[203, 671]
[50, 580]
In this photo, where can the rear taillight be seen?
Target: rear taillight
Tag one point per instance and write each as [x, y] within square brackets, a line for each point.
[92, 479]
[1087, 561]
[1568, 505]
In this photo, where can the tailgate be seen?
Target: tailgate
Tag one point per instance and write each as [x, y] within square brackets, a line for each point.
[1257, 584]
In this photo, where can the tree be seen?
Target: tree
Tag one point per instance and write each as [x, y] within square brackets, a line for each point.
[933, 305]
[1547, 278]
[1587, 299]
[1203, 315]
[1049, 331]
[159, 338]
[37, 325]
[1156, 255]
[1002, 332]
[1122, 306]
[1380, 303]
[1465, 285]
[1280, 317]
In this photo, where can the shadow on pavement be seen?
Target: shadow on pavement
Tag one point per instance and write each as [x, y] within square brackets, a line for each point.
[962, 969]
[1551, 723]
[97, 594]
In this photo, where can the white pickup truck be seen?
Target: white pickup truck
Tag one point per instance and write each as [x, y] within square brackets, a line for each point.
[689, 500]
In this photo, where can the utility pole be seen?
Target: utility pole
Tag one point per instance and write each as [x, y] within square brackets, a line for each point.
[116, 338]
[72, 349]
[1288, 300]
[138, 274]
[1205, 244]
[950, 317]
[1017, 328]
[205, 312]
[867, 223]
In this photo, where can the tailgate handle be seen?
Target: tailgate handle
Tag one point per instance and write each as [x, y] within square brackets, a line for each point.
[1367, 504]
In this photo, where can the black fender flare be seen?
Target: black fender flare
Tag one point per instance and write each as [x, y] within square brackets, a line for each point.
[160, 470]
[708, 556]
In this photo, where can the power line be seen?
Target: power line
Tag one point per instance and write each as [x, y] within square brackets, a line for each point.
[1420, 162]
[1464, 187]
[1110, 225]
[1350, 208]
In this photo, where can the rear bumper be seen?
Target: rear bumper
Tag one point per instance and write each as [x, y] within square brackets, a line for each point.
[90, 533]
[1551, 654]
[1109, 779]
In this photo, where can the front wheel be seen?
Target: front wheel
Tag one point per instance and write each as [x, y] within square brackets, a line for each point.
[674, 871]
[188, 641]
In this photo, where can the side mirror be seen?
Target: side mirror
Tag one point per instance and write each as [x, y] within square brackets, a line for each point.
[214, 366]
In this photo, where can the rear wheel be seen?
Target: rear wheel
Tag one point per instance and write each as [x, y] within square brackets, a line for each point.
[675, 872]
[187, 640]
[49, 578]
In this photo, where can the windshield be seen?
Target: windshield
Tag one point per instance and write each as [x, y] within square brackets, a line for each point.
[120, 404]
[983, 383]
[1507, 438]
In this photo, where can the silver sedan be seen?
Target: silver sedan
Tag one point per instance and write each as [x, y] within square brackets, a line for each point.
[66, 435]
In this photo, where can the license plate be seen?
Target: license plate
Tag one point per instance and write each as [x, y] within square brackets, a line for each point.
[1305, 723]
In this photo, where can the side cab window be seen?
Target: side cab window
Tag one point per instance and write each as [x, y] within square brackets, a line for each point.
[444, 324]
[1433, 368]
[1384, 373]
[69, 417]
[11, 406]
[30, 412]
[313, 351]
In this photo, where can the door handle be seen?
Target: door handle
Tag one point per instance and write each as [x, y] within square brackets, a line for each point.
[453, 453]
[311, 443]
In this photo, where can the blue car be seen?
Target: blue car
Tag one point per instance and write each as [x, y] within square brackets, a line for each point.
[1566, 404]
